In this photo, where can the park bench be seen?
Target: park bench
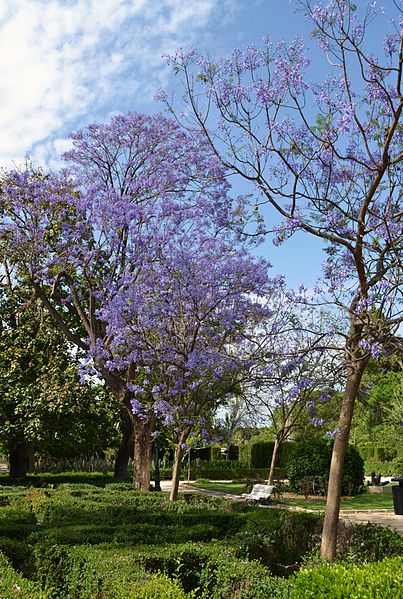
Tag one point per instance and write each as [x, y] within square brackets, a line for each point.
[260, 493]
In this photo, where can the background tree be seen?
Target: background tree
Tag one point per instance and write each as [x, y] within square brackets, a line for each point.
[44, 409]
[379, 413]
[326, 158]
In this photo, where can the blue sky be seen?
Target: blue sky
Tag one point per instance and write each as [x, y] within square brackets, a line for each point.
[67, 63]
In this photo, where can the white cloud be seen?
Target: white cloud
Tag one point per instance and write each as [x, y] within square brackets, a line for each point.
[67, 62]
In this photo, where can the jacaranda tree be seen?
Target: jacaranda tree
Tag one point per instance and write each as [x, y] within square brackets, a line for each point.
[137, 191]
[326, 157]
[184, 318]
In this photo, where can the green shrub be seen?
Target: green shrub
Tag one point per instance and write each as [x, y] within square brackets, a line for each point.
[155, 586]
[19, 554]
[216, 470]
[308, 468]
[242, 579]
[63, 573]
[261, 453]
[279, 538]
[211, 570]
[13, 584]
[381, 580]
[372, 543]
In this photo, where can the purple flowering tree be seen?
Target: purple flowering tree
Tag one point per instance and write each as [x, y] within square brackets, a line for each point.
[135, 185]
[184, 318]
[326, 158]
[297, 365]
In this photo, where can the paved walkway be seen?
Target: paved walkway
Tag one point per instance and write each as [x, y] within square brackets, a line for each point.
[380, 517]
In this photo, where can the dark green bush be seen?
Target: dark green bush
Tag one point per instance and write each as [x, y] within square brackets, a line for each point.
[372, 543]
[216, 470]
[381, 580]
[19, 554]
[261, 453]
[63, 573]
[308, 468]
[211, 571]
[13, 584]
[279, 538]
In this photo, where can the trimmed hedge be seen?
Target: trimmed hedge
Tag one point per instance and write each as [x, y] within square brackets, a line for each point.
[217, 470]
[380, 580]
[261, 453]
[13, 584]
[308, 468]
[279, 538]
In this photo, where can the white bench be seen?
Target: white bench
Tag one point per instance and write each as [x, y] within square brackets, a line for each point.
[259, 493]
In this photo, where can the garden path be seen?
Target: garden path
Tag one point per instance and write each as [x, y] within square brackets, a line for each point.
[380, 517]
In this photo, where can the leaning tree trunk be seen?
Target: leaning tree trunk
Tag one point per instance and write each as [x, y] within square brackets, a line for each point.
[21, 460]
[276, 448]
[177, 463]
[330, 526]
[125, 451]
[142, 452]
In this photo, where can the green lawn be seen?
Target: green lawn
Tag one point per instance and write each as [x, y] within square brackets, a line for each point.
[365, 501]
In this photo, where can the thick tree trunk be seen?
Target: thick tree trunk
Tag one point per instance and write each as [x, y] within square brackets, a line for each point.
[276, 448]
[21, 460]
[125, 451]
[331, 521]
[142, 452]
[177, 463]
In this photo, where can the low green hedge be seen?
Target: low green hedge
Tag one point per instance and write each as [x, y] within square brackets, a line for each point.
[379, 580]
[218, 470]
[13, 584]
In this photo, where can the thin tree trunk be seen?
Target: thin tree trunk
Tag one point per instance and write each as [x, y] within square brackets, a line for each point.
[276, 448]
[142, 452]
[20, 458]
[125, 451]
[177, 463]
[331, 521]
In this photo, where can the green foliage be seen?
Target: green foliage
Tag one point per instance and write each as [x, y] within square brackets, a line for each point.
[308, 468]
[262, 451]
[393, 468]
[217, 470]
[85, 541]
[279, 538]
[372, 543]
[13, 584]
[42, 402]
[379, 411]
[379, 580]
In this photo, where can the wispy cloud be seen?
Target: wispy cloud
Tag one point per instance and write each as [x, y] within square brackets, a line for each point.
[64, 63]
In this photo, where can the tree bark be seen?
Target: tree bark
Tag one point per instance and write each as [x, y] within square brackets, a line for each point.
[330, 526]
[21, 460]
[277, 444]
[125, 451]
[142, 452]
[177, 463]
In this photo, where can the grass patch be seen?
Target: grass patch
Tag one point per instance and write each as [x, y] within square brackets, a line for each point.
[364, 501]
[230, 488]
